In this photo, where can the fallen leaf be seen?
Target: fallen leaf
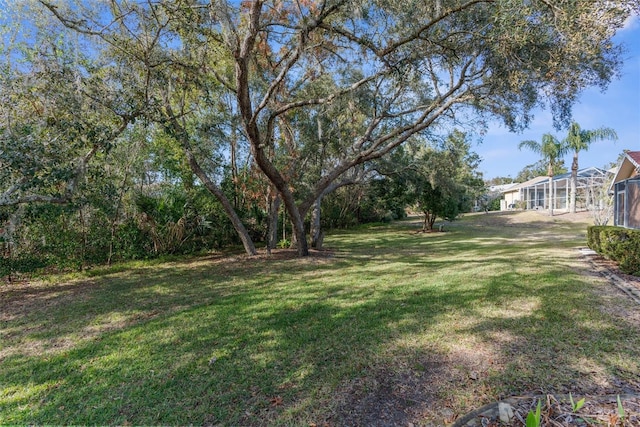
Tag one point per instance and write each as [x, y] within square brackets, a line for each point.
[276, 401]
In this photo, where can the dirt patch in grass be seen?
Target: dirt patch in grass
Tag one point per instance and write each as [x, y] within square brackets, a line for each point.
[435, 391]
[429, 391]
[611, 266]
[530, 218]
[232, 261]
[20, 298]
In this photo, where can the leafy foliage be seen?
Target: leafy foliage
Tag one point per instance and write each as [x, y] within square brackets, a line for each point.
[534, 418]
[619, 244]
[444, 180]
[576, 406]
[259, 102]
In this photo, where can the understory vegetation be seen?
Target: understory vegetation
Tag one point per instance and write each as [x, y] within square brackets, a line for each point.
[387, 324]
[161, 219]
[145, 211]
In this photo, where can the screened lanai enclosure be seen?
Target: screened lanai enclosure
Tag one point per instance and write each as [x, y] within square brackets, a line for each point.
[534, 194]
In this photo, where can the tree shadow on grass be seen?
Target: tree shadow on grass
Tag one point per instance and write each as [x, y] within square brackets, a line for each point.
[239, 351]
[250, 344]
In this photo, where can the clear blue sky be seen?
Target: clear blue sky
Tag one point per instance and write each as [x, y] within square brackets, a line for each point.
[618, 108]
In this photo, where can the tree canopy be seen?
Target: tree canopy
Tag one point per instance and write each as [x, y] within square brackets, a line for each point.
[314, 91]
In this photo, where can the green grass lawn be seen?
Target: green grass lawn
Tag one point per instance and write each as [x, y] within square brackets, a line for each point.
[391, 324]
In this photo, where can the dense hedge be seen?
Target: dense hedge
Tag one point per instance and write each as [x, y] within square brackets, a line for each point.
[618, 244]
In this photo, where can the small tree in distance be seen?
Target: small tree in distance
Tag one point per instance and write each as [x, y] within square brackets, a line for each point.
[445, 179]
[602, 211]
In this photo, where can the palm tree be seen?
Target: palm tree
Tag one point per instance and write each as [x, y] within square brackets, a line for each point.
[579, 140]
[551, 150]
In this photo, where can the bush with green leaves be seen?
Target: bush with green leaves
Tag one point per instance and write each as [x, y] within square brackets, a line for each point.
[168, 220]
[618, 244]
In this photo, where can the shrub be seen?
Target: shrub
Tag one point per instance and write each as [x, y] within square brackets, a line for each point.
[618, 244]
[593, 237]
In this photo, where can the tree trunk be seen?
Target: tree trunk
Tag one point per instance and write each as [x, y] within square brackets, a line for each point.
[429, 220]
[10, 232]
[300, 236]
[258, 143]
[315, 228]
[574, 183]
[315, 231]
[249, 247]
[83, 236]
[296, 217]
[234, 167]
[116, 214]
[183, 138]
[274, 209]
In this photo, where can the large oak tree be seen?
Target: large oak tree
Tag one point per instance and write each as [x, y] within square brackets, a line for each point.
[416, 66]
